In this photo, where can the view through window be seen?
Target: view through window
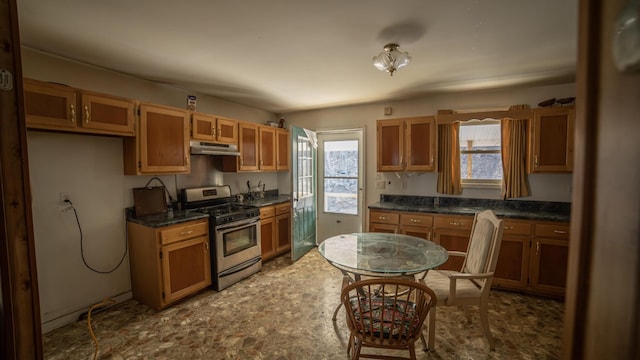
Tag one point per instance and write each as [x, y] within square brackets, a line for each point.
[341, 177]
[480, 152]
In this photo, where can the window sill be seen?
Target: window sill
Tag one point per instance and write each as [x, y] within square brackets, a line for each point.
[489, 185]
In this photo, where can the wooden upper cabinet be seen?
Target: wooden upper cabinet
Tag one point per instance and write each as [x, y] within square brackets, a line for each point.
[420, 144]
[248, 137]
[406, 144]
[107, 113]
[551, 140]
[283, 148]
[214, 129]
[390, 147]
[162, 144]
[267, 148]
[49, 106]
[59, 107]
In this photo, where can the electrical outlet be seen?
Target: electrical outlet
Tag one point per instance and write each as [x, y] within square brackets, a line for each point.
[64, 196]
[380, 184]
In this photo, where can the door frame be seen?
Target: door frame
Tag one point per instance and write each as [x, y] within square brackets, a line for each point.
[361, 134]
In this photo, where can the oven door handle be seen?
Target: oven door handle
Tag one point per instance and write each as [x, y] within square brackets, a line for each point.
[238, 223]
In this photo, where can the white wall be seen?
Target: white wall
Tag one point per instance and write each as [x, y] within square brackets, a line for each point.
[544, 187]
[90, 169]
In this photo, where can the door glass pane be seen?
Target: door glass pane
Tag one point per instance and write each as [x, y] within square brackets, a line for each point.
[341, 177]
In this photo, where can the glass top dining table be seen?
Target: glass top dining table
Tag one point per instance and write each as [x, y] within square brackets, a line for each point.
[382, 254]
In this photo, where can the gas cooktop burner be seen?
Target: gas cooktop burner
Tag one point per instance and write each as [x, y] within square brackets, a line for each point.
[216, 201]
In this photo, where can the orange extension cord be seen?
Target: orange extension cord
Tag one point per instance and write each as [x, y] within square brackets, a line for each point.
[103, 303]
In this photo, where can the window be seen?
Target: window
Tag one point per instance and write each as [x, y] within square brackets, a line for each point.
[341, 177]
[480, 153]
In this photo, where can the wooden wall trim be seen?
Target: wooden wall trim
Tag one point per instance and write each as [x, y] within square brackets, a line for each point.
[22, 335]
[584, 174]
[500, 114]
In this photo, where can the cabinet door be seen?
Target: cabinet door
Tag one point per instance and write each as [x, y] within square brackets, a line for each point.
[164, 140]
[203, 127]
[248, 144]
[186, 268]
[512, 267]
[417, 231]
[452, 240]
[268, 238]
[107, 114]
[267, 148]
[549, 261]
[384, 228]
[226, 131]
[49, 106]
[552, 140]
[421, 144]
[283, 149]
[283, 226]
[390, 145]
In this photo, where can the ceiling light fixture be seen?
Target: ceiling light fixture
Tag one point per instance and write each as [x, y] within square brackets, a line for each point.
[391, 59]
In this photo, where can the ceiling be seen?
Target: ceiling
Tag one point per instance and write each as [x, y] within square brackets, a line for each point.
[290, 55]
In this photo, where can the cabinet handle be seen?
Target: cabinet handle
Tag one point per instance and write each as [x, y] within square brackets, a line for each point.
[415, 220]
[73, 113]
[219, 131]
[456, 223]
[429, 236]
[535, 160]
[241, 162]
[559, 231]
[206, 246]
[186, 160]
[431, 161]
[382, 218]
[537, 248]
[508, 227]
[86, 114]
[213, 131]
[186, 232]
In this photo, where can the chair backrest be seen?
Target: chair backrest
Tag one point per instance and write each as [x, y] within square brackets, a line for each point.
[387, 311]
[484, 245]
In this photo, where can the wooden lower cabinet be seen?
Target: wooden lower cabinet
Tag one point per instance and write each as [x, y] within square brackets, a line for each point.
[549, 258]
[452, 233]
[512, 268]
[275, 230]
[168, 263]
[533, 254]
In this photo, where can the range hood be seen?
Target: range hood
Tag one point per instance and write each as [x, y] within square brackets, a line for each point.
[207, 148]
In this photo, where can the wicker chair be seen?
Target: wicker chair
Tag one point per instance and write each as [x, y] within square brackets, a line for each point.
[385, 313]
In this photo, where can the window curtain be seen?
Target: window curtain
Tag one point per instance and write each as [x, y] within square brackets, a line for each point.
[449, 159]
[515, 183]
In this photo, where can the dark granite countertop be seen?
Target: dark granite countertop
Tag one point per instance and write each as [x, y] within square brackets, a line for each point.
[269, 200]
[164, 219]
[515, 209]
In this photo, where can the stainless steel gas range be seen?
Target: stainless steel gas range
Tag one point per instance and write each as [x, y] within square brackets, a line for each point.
[234, 233]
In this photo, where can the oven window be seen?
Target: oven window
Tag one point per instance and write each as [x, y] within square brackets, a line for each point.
[240, 239]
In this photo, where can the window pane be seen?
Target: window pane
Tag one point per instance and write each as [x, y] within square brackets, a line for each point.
[341, 196]
[341, 158]
[480, 151]
[481, 166]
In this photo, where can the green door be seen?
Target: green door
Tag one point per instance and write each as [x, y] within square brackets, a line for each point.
[304, 143]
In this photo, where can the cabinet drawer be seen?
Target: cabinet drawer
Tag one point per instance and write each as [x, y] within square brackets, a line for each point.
[283, 208]
[516, 228]
[558, 231]
[416, 219]
[184, 231]
[267, 212]
[382, 217]
[453, 222]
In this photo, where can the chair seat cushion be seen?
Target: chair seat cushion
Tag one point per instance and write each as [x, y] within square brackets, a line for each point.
[439, 282]
[394, 318]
